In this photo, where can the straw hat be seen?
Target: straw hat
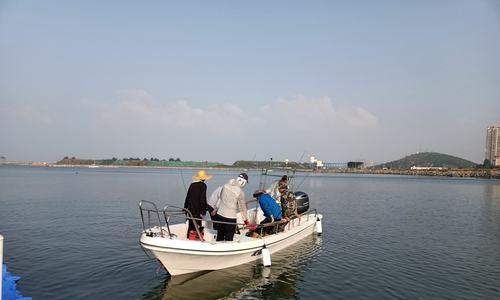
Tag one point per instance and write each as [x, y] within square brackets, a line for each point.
[202, 175]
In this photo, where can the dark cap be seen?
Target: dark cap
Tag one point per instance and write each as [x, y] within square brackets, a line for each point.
[244, 176]
[284, 177]
[257, 193]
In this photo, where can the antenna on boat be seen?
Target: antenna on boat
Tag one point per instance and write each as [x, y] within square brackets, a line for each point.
[303, 179]
[302, 156]
[264, 173]
[262, 181]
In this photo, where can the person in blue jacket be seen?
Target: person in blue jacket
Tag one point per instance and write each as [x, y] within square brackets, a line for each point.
[271, 209]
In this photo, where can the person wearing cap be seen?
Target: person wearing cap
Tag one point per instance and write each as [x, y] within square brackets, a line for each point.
[283, 185]
[232, 200]
[196, 199]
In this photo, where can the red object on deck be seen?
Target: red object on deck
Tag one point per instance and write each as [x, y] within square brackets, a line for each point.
[193, 235]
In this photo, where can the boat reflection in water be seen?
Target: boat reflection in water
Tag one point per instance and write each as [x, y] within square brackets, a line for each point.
[247, 280]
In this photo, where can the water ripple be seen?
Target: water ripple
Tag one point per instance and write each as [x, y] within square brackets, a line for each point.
[76, 237]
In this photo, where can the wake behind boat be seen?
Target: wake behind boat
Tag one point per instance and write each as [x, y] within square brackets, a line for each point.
[181, 254]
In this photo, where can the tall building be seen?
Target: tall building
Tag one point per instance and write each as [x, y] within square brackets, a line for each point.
[493, 144]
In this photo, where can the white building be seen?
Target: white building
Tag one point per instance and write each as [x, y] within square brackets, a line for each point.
[493, 145]
[316, 163]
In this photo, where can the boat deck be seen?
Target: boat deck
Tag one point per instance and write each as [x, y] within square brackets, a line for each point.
[179, 231]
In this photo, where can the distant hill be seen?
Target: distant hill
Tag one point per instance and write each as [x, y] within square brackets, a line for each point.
[428, 159]
[137, 162]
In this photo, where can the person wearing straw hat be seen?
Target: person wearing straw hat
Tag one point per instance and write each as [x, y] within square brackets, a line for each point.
[196, 199]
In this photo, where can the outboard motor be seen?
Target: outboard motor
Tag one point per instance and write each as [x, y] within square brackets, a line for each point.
[302, 201]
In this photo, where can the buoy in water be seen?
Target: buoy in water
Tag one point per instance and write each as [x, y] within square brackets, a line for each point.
[266, 273]
[319, 228]
[266, 257]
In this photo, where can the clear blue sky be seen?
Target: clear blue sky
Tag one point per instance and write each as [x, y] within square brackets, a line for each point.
[227, 80]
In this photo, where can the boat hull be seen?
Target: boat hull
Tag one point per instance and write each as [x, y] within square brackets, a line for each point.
[180, 256]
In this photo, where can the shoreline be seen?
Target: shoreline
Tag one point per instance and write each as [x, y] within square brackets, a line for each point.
[455, 173]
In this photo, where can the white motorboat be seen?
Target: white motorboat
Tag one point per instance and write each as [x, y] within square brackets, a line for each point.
[170, 244]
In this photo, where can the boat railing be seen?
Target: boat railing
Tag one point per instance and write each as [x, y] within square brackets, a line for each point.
[149, 211]
[309, 212]
[171, 211]
[286, 221]
[149, 208]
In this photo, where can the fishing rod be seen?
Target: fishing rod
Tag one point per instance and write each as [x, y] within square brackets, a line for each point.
[304, 178]
[289, 173]
[183, 183]
[265, 173]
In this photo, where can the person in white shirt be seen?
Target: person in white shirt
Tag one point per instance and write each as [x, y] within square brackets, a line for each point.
[232, 201]
[213, 203]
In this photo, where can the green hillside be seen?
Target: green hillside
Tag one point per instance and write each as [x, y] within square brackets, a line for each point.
[255, 164]
[428, 159]
[137, 162]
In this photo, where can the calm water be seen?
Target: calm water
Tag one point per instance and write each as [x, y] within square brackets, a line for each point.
[73, 234]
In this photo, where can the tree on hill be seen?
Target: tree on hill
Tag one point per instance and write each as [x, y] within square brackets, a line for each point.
[428, 159]
[486, 163]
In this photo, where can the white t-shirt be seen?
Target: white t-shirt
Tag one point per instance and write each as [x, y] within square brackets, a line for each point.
[214, 199]
[232, 201]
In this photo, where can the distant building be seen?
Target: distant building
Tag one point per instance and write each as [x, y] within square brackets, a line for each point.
[493, 145]
[335, 165]
[315, 163]
[355, 165]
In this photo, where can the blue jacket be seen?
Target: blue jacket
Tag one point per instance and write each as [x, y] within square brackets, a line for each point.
[269, 207]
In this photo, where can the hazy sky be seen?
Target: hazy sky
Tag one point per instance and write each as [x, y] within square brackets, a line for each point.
[227, 80]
